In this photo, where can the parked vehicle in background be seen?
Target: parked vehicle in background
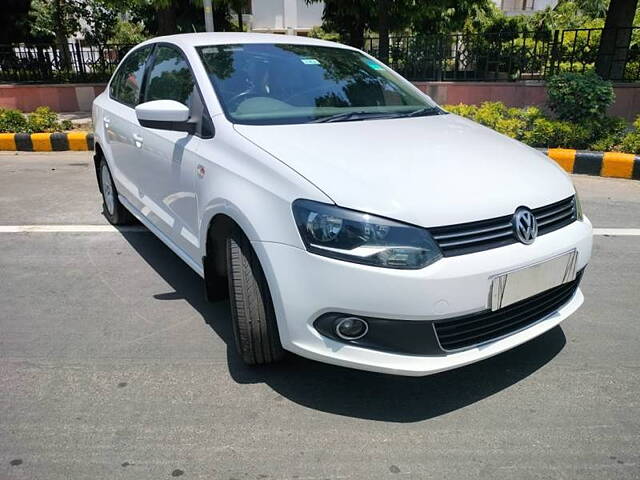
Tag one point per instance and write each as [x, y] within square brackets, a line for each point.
[349, 218]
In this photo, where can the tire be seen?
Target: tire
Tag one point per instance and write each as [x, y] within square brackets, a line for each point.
[254, 320]
[115, 212]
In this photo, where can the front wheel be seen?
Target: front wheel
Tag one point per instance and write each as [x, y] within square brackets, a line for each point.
[254, 320]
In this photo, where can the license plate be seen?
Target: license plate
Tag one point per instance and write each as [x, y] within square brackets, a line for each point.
[511, 287]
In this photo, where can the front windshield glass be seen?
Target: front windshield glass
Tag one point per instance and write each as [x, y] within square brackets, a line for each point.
[267, 84]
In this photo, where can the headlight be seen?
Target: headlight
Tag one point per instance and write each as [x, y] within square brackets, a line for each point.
[579, 214]
[362, 238]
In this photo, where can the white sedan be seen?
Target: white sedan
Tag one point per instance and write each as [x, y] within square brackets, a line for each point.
[349, 218]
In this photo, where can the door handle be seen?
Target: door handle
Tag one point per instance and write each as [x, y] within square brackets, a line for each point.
[106, 121]
[137, 139]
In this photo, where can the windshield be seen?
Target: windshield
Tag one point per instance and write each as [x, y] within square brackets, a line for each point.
[267, 84]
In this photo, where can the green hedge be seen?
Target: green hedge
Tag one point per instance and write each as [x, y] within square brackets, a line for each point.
[536, 128]
[43, 119]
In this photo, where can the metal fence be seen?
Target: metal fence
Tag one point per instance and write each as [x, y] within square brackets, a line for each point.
[46, 63]
[510, 56]
[505, 56]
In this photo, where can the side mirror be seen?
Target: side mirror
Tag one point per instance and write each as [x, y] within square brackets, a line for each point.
[165, 115]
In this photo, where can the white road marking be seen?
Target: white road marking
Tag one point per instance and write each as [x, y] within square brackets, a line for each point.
[69, 228]
[610, 232]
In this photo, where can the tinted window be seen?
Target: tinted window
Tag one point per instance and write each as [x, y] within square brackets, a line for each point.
[170, 77]
[281, 83]
[126, 83]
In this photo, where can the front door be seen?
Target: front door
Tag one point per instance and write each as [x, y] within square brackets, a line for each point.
[170, 159]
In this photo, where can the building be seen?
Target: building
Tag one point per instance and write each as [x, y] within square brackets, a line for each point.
[293, 17]
[523, 7]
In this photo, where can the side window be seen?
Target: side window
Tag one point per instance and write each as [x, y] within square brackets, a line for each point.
[127, 81]
[170, 78]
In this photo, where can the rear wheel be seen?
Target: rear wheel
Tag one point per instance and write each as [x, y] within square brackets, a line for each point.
[254, 320]
[115, 212]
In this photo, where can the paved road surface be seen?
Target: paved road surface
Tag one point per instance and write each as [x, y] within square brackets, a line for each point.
[113, 366]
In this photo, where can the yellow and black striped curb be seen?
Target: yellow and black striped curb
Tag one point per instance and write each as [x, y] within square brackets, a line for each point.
[603, 164]
[46, 142]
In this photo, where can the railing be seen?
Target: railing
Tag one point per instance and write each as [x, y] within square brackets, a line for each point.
[505, 56]
[510, 56]
[46, 63]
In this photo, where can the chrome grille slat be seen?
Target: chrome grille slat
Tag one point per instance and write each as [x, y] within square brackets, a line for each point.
[475, 239]
[562, 208]
[471, 232]
[555, 218]
[497, 232]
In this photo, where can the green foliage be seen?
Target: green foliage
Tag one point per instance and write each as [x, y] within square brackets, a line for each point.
[128, 33]
[42, 119]
[631, 141]
[579, 97]
[533, 127]
[319, 32]
[13, 121]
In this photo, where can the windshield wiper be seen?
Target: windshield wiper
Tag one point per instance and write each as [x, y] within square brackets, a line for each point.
[352, 116]
[425, 112]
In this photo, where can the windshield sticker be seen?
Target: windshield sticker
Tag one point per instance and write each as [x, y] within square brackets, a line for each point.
[373, 65]
[310, 61]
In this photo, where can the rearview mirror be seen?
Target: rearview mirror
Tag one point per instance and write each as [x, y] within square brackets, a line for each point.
[165, 115]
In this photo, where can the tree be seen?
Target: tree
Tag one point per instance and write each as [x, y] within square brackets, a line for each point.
[349, 18]
[15, 26]
[616, 39]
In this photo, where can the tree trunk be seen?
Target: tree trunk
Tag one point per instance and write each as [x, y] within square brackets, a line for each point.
[61, 35]
[356, 36]
[221, 17]
[239, 12]
[167, 24]
[615, 39]
[383, 30]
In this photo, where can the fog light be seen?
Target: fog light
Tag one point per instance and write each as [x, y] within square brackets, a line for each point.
[351, 328]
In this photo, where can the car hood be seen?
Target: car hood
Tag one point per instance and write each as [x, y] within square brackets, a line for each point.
[428, 171]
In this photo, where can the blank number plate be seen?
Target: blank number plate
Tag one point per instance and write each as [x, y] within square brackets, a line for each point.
[511, 287]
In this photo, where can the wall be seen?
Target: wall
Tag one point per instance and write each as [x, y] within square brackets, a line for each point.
[521, 94]
[280, 15]
[61, 98]
[78, 97]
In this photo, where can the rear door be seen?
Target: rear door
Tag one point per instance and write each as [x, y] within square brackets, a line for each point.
[123, 132]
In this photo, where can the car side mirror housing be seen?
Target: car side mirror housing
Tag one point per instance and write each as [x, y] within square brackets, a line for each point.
[165, 115]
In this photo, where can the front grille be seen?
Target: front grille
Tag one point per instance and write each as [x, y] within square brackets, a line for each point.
[470, 330]
[497, 232]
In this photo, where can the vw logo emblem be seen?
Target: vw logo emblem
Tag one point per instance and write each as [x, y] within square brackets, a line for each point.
[525, 226]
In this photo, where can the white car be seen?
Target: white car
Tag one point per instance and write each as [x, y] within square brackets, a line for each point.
[349, 218]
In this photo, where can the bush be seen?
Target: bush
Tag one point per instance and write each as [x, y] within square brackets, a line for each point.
[531, 126]
[43, 119]
[631, 141]
[579, 97]
[556, 133]
[13, 121]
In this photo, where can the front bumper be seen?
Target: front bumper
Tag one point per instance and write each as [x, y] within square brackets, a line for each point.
[305, 286]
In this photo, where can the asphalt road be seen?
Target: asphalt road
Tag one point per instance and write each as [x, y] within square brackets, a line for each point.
[113, 366]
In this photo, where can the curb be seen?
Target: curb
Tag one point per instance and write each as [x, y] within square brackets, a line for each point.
[46, 142]
[603, 164]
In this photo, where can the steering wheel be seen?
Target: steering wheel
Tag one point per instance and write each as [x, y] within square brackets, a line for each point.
[240, 97]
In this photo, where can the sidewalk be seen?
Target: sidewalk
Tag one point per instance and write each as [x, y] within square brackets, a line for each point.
[81, 120]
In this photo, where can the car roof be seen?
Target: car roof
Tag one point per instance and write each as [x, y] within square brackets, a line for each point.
[223, 38]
